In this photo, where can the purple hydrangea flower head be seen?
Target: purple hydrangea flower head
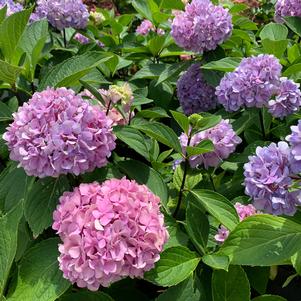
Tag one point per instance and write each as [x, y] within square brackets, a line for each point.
[287, 8]
[252, 84]
[57, 132]
[81, 38]
[223, 138]
[202, 27]
[63, 13]
[145, 27]
[109, 232]
[243, 212]
[294, 140]
[288, 99]
[267, 180]
[12, 7]
[194, 94]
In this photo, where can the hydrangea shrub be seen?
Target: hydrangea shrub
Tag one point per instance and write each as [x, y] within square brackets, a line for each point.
[150, 150]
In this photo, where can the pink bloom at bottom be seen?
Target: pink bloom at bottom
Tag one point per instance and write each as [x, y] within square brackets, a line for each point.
[243, 212]
[109, 231]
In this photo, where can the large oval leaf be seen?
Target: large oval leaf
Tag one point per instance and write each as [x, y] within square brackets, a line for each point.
[175, 265]
[262, 240]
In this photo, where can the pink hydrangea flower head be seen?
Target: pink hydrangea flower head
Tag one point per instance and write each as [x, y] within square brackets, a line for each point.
[57, 132]
[243, 212]
[145, 27]
[223, 138]
[202, 26]
[109, 232]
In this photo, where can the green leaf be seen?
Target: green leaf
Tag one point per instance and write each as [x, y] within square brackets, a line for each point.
[9, 195]
[156, 44]
[133, 138]
[294, 69]
[41, 202]
[87, 296]
[262, 240]
[227, 64]
[216, 262]
[177, 237]
[230, 286]
[208, 122]
[294, 23]
[197, 226]
[93, 91]
[145, 8]
[11, 30]
[296, 261]
[162, 133]
[153, 113]
[172, 70]
[218, 206]
[175, 265]
[182, 120]
[193, 177]
[184, 291]
[205, 146]
[33, 41]
[259, 278]
[269, 298]
[3, 11]
[144, 174]
[39, 277]
[8, 236]
[8, 72]
[5, 112]
[172, 4]
[71, 70]
[274, 32]
[150, 71]
[276, 48]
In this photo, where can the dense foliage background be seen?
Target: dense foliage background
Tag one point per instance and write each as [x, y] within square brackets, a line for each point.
[260, 260]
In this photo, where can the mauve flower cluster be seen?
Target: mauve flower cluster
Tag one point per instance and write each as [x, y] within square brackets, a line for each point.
[202, 27]
[223, 138]
[287, 100]
[12, 7]
[109, 232]
[194, 94]
[63, 13]
[256, 82]
[243, 212]
[145, 27]
[294, 140]
[267, 180]
[287, 8]
[57, 132]
[252, 84]
[84, 40]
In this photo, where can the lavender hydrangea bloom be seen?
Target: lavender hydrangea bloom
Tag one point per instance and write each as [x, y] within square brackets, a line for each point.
[286, 8]
[288, 99]
[57, 132]
[202, 27]
[12, 7]
[295, 142]
[252, 84]
[223, 138]
[267, 179]
[81, 38]
[145, 27]
[194, 94]
[63, 13]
